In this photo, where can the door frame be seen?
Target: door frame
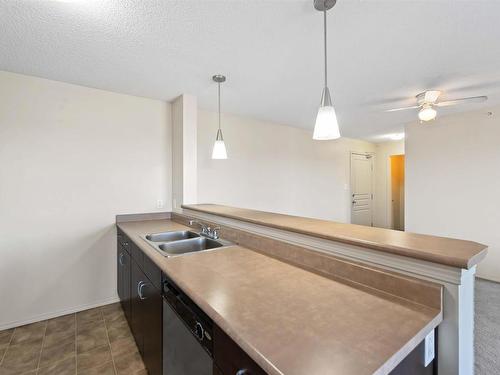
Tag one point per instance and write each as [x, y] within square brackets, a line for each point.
[372, 156]
[389, 208]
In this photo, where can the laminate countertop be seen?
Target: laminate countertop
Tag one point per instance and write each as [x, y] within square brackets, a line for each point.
[288, 320]
[447, 251]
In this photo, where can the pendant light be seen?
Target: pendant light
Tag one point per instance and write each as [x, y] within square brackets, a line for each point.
[326, 126]
[219, 150]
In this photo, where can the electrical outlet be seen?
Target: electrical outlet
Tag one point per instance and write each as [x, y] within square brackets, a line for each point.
[159, 203]
[429, 348]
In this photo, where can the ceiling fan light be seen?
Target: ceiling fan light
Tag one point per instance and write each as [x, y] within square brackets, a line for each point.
[326, 126]
[427, 113]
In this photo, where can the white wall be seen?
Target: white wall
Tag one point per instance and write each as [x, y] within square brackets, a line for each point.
[383, 214]
[275, 168]
[452, 178]
[71, 158]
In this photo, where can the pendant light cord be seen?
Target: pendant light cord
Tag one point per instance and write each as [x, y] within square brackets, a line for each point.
[218, 100]
[326, 57]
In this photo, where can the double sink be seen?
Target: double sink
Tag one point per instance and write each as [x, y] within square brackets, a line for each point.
[182, 242]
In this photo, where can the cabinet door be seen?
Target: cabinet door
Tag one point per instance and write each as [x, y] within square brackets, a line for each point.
[217, 371]
[137, 306]
[153, 329]
[119, 272]
[123, 279]
[230, 358]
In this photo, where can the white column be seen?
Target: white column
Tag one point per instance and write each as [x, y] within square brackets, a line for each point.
[456, 332]
[184, 156]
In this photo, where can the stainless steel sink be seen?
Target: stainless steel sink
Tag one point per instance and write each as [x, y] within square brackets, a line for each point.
[189, 246]
[171, 236]
[182, 242]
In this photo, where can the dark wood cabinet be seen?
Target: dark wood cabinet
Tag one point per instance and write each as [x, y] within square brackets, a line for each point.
[123, 279]
[413, 364]
[217, 371]
[137, 307]
[153, 329]
[146, 319]
[230, 359]
[142, 301]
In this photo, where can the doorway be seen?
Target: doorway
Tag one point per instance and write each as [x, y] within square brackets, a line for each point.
[362, 189]
[397, 192]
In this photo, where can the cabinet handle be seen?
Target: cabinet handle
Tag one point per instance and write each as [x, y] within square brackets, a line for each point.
[141, 285]
[121, 260]
[243, 371]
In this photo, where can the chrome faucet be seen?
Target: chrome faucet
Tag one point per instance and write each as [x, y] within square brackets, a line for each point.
[206, 231]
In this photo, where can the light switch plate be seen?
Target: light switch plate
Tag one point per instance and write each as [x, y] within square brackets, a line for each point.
[429, 348]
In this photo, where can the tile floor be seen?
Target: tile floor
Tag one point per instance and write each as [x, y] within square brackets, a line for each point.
[96, 341]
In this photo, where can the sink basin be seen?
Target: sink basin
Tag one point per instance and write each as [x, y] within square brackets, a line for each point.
[182, 242]
[171, 236]
[189, 246]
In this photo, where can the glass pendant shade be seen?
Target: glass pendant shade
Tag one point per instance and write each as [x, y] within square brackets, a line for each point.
[219, 150]
[326, 126]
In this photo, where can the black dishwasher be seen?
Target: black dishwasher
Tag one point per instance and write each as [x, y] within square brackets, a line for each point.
[187, 335]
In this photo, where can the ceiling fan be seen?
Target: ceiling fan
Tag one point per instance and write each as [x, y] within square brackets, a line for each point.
[428, 100]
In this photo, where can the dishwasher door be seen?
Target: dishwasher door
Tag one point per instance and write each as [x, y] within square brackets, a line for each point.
[182, 352]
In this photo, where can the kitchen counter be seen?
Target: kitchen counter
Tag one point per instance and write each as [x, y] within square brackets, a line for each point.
[441, 250]
[289, 320]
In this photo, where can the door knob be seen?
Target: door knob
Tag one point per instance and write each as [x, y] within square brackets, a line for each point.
[243, 371]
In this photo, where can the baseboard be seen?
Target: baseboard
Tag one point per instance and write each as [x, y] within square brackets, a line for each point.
[55, 314]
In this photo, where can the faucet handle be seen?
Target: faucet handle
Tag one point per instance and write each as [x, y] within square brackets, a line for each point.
[215, 232]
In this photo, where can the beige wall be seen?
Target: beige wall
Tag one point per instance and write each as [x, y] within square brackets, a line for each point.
[70, 159]
[452, 176]
[276, 168]
[383, 213]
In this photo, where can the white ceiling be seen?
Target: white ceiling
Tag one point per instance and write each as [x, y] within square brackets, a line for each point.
[380, 52]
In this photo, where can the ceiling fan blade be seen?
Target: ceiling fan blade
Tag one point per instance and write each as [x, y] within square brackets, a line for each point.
[472, 99]
[402, 109]
[431, 96]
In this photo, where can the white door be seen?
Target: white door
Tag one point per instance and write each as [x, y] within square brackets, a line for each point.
[361, 189]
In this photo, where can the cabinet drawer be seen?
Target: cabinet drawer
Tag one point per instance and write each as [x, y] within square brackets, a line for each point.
[230, 358]
[123, 240]
[152, 272]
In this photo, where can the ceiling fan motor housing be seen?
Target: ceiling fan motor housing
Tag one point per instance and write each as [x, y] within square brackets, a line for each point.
[430, 96]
